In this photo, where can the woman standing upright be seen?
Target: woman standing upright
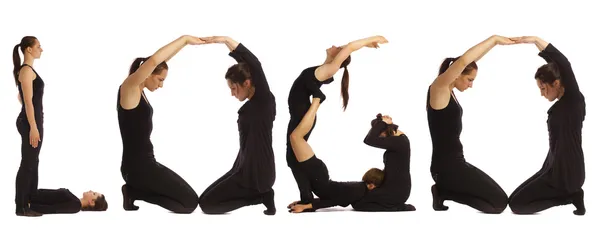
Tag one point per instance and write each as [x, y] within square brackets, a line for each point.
[30, 121]
[145, 178]
[456, 179]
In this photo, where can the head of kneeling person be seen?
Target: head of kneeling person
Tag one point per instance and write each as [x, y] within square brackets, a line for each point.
[93, 201]
[373, 178]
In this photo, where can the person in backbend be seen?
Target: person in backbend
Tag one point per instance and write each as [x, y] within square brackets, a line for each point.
[250, 180]
[394, 182]
[145, 178]
[308, 84]
[62, 201]
[330, 193]
[30, 121]
[456, 179]
[560, 180]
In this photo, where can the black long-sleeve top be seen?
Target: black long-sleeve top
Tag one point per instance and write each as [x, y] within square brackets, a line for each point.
[565, 122]
[59, 201]
[339, 194]
[255, 163]
[392, 194]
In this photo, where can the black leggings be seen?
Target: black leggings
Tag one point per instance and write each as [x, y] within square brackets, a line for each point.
[26, 182]
[536, 195]
[154, 183]
[306, 195]
[464, 183]
[226, 195]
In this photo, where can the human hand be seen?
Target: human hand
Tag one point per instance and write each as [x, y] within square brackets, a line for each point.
[34, 137]
[501, 40]
[292, 204]
[387, 119]
[214, 39]
[376, 40]
[193, 40]
[299, 208]
[524, 39]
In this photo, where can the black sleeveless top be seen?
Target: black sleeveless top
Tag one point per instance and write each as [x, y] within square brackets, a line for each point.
[445, 127]
[38, 95]
[135, 126]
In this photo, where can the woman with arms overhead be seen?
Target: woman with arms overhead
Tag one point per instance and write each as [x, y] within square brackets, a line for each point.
[456, 179]
[145, 178]
[250, 180]
[62, 201]
[391, 194]
[560, 180]
[307, 84]
[30, 121]
[330, 193]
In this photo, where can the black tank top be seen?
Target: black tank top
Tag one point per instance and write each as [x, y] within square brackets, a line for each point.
[38, 95]
[136, 127]
[445, 126]
[299, 93]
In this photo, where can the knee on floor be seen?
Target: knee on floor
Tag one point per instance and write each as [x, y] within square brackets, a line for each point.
[519, 208]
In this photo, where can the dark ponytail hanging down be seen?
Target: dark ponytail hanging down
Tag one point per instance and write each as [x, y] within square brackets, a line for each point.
[26, 42]
[345, 82]
[16, 63]
[345, 85]
[136, 64]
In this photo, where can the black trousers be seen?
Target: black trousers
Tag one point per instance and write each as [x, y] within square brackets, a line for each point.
[537, 194]
[154, 183]
[226, 194]
[26, 182]
[464, 183]
[304, 187]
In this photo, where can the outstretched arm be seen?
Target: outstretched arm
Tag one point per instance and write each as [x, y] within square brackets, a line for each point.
[130, 88]
[473, 54]
[163, 54]
[552, 55]
[327, 70]
[241, 53]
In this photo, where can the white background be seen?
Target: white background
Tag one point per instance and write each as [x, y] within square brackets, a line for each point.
[88, 48]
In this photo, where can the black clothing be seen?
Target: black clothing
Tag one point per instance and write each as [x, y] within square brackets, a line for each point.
[252, 176]
[27, 177]
[330, 193]
[560, 180]
[145, 178]
[304, 86]
[392, 194]
[59, 201]
[455, 178]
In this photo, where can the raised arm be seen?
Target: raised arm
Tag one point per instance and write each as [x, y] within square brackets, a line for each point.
[163, 54]
[473, 54]
[552, 55]
[374, 139]
[130, 88]
[329, 69]
[242, 54]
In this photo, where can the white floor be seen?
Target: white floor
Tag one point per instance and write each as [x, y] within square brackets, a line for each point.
[154, 226]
